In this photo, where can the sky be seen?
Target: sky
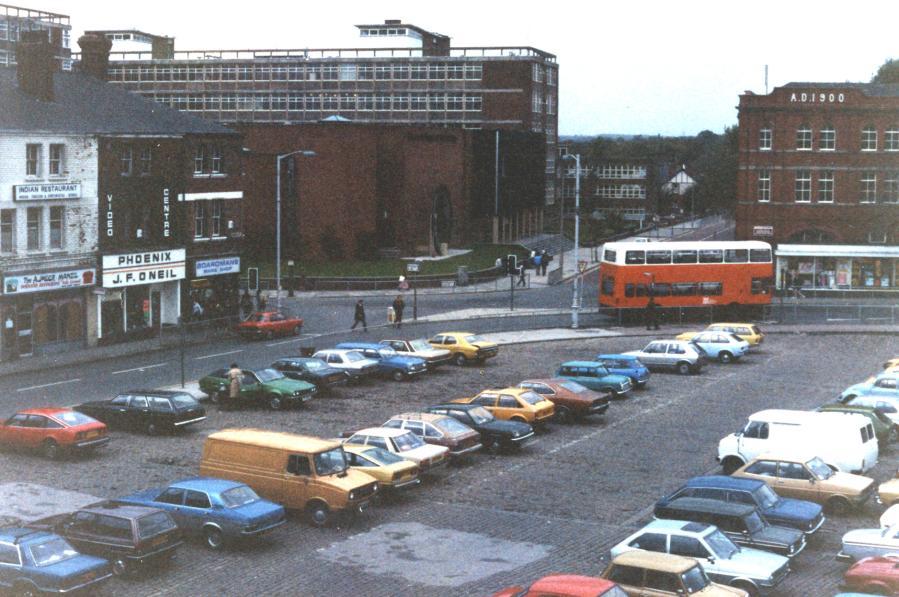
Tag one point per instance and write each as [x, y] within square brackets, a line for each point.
[642, 67]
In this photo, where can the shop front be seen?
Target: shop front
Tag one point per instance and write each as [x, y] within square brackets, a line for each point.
[824, 268]
[214, 287]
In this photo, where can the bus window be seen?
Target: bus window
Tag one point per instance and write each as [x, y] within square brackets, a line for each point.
[710, 288]
[683, 289]
[760, 255]
[609, 255]
[711, 256]
[629, 290]
[634, 257]
[736, 256]
[661, 289]
[685, 256]
[761, 285]
[608, 285]
[658, 257]
[641, 290]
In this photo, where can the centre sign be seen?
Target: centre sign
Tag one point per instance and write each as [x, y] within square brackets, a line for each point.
[134, 269]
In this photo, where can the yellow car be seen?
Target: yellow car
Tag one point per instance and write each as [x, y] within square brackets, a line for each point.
[514, 404]
[745, 331]
[892, 364]
[392, 471]
[465, 346]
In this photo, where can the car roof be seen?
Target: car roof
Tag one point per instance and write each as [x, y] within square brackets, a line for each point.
[360, 345]
[655, 561]
[19, 534]
[571, 585]
[555, 381]
[509, 390]
[582, 364]
[158, 393]
[713, 506]
[382, 431]
[275, 439]
[663, 524]
[454, 334]
[206, 484]
[419, 416]
[296, 359]
[120, 510]
[48, 411]
[724, 482]
[334, 351]
[793, 455]
[628, 357]
[722, 323]
[456, 405]
[795, 417]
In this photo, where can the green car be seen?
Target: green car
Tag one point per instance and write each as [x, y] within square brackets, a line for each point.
[883, 426]
[262, 386]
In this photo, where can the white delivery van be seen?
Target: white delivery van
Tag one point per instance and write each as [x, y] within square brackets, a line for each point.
[845, 442]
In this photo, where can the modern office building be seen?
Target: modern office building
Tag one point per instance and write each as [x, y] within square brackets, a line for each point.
[14, 20]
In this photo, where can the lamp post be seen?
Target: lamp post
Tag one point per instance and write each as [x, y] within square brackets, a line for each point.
[575, 295]
[305, 153]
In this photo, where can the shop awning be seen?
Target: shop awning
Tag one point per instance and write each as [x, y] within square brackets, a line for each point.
[860, 251]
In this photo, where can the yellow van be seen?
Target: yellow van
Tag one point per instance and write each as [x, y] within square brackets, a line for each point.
[300, 472]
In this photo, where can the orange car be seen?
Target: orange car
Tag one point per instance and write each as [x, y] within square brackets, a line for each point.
[514, 404]
[52, 431]
[565, 585]
[268, 324]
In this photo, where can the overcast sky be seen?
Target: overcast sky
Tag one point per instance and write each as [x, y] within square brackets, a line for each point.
[637, 67]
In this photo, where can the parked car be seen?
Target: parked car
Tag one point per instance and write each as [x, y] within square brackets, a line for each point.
[402, 443]
[660, 574]
[884, 384]
[420, 348]
[392, 472]
[877, 575]
[571, 399]
[888, 492]
[266, 387]
[884, 428]
[752, 570]
[890, 516]
[268, 324]
[672, 355]
[623, 364]
[743, 523]
[593, 375]
[53, 431]
[890, 363]
[38, 562]
[390, 363]
[151, 411]
[885, 405]
[311, 370]
[495, 433]
[514, 404]
[215, 509]
[806, 516]
[726, 347]
[357, 367]
[865, 543]
[130, 537]
[745, 331]
[565, 585]
[806, 477]
[439, 430]
[465, 346]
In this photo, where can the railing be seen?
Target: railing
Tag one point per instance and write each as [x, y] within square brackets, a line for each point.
[453, 281]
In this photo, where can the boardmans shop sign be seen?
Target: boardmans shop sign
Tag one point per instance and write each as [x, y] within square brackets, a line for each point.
[217, 267]
[133, 269]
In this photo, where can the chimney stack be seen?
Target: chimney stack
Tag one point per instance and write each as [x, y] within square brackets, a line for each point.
[95, 55]
[36, 65]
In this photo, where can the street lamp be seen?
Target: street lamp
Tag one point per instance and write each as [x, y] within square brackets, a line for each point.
[305, 153]
[575, 297]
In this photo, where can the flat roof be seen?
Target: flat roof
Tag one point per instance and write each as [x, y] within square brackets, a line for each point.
[880, 251]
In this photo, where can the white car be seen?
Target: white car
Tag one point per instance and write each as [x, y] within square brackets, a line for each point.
[724, 346]
[890, 517]
[421, 349]
[402, 442]
[356, 366]
[673, 355]
[863, 543]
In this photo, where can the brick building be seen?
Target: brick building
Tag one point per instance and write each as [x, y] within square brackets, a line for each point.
[819, 176]
[15, 20]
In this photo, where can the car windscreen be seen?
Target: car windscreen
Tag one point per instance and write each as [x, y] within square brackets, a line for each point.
[723, 547]
[353, 357]
[73, 417]
[154, 524]
[267, 375]
[475, 338]
[51, 551]
[452, 426]
[481, 415]
[387, 352]
[182, 401]
[573, 387]
[765, 497]
[313, 364]
[383, 456]
[754, 522]
[238, 496]
[420, 344]
[407, 441]
[531, 397]
[330, 462]
[695, 579]
[819, 469]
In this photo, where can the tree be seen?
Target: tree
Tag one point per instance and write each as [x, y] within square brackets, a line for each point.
[888, 72]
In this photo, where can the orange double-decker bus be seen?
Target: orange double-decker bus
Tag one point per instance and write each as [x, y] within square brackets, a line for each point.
[686, 274]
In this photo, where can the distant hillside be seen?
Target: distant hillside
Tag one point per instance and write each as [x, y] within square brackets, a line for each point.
[588, 138]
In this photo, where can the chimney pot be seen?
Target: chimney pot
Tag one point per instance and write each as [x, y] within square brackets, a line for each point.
[95, 55]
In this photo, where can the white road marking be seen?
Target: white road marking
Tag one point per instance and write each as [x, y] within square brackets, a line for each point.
[292, 340]
[139, 368]
[47, 385]
[218, 354]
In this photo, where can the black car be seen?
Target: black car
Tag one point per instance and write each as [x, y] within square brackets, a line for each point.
[494, 432]
[146, 410]
[315, 371]
[128, 536]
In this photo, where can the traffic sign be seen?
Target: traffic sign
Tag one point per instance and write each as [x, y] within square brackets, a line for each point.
[582, 266]
[412, 267]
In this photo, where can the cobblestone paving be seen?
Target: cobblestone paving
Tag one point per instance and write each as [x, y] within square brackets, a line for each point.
[576, 492]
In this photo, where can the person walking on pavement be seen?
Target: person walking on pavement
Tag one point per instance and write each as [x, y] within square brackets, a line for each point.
[359, 316]
[521, 279]
[544, 262]
[652, 321]
[398, 305]
[234, 377]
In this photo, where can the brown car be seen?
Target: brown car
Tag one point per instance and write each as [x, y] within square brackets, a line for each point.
[572, 400]
[440, 430]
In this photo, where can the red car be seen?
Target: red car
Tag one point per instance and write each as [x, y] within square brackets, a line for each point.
[53, 430]
[566, 585]
[268, 324]
[878, 575]
[572, 400]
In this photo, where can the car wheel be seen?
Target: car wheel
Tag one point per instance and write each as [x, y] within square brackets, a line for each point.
[152, 429]
[119, 568]
[50, 449]
[214, 537]
[274, 402]
[460, 359]
[563, 414]
[725, 357]
[297, 330]
[683, 368]
[491, 445]
[837, 505]
[398, 376]
[730, 465]
[24, 589]
[318, 513]
[746, 586]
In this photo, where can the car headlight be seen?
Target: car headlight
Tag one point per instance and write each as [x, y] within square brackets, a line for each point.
[375, 487]
[514, 434]
[352, 495]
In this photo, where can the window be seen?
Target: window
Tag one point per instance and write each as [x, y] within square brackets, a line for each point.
[56, 159]
[297, 464]
[764, 186]
[760, 255]
[217, 160]
[804, 138]
[756, 430]
[7, 230]
[764, 468]
[661, 581]
[172, 495]
[891, 187]
[32, 159]
[868, 187]
[57, 213]
[199, 159]
[196, 499]
[9, 554]
[803, 186]
[685, 256]
[217, 205]
[650, 542]
[125, 161]
[634, 257]
[627, 575]
[33, 228]
[891, 138]
[658, 257]
[765, 139]
[608, 285]
[825, 186]
[869, 139]
[688, 546]
[793, 470]
[711, 256]
[827, 139]
[537, 101]
[199, 219]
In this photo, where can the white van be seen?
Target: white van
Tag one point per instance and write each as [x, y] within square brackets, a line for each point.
[845, 442]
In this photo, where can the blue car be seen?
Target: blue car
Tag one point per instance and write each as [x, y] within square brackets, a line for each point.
[40, 562]
[798, 514]
[390, 363]
[216, 509]
[623, 364]
[726, 347]
[884, 384]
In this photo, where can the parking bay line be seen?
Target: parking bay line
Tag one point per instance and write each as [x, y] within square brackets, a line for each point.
[292, 340]
[47, 385]
[218, 354]
[139, 368]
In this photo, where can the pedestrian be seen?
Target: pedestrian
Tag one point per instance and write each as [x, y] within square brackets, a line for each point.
[544, 261]
[246, 305]
[652, 321]
[521, 279]
[499, 263]
[263, 302]
[398, 305]
[234, 377]
[359, 316]
[538, 261]
[197, 310]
